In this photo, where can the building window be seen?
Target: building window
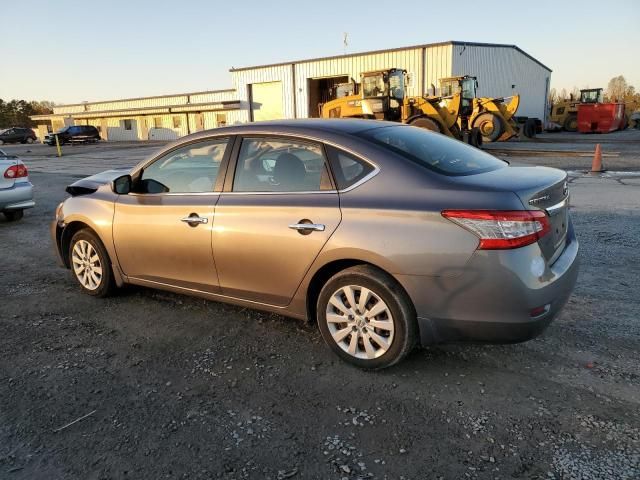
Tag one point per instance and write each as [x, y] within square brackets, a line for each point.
[127, 124]
[177, 122]
[221, 119]
[157, 122]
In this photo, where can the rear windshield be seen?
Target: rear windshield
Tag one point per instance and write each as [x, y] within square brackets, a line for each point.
[433, 150]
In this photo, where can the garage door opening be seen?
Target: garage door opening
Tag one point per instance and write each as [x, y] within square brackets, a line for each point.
[266, 101]
[321, 90]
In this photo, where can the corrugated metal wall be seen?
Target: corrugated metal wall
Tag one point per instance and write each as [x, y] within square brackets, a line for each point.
[423, 73]
[437, 65]
[410, 60]
[498, 68]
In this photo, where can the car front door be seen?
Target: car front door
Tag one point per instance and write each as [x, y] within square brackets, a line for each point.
[278, 210]
[162, 231]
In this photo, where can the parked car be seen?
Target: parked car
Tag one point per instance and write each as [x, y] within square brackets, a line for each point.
[17, 135]
[384, 234]
[74, 134]
[16, 191]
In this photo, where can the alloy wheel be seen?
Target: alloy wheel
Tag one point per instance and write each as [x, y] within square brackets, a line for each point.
[86, 265]
[360, 322]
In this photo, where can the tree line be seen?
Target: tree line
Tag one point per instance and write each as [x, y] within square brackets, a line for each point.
[618, 90]
[16, 113]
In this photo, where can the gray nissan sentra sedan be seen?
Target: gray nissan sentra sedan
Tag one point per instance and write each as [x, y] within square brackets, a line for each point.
[384, 234]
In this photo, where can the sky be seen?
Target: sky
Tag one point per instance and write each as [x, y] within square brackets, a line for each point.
[71, 51]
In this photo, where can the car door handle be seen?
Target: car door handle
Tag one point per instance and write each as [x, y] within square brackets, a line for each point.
[194, 220]
[315, 227]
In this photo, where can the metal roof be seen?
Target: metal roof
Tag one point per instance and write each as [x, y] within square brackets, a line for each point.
[146, 98]
[399, 49]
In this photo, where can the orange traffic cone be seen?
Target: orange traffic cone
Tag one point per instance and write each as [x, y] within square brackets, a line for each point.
[596, 165]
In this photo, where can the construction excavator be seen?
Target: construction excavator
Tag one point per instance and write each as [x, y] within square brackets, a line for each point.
[382, 96]
[493, 117]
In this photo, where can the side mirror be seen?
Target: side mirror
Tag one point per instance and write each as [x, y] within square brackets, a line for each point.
[122, 185]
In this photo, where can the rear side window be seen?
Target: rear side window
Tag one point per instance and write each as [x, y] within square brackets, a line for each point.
[280, 165]
[433, 150]
[347, 169]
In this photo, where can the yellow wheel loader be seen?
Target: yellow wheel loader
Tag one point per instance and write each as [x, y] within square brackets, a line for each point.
[382, 97]
[565, 114]
[493, 117]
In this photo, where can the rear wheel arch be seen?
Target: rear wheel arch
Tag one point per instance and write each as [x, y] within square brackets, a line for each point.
[324, 273]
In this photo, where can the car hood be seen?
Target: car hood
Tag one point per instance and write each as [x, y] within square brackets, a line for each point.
[90, 184]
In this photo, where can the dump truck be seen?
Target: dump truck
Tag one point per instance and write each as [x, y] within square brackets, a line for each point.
[493, 117]
[565, 112]
[381, 95]
[596, 116]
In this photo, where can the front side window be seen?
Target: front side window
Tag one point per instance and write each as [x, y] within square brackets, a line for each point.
[279, 165]
[433, 150]
[126, 124]
[193, 168]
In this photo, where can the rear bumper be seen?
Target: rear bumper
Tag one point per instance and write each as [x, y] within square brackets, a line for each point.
[492, 299]
[18, 197]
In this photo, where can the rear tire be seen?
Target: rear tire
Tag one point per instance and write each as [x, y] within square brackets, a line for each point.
[13, 215]
[90, 264]
[30, 140]
[529, 128]
[372, 332]
[571, 123]
[1, 142]
[426, 123]
[490, 126]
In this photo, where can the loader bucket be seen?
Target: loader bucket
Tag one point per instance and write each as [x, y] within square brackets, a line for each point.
[497, 109]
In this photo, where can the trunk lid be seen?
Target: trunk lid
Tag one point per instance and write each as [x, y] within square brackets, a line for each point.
[539, 188]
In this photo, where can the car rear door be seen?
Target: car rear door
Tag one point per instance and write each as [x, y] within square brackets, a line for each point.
[162, 232]
[278, 210]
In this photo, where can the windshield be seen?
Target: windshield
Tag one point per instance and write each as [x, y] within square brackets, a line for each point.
[396, 84]
[374, 86]
[469, 88]
[434, 150]
[590, 96]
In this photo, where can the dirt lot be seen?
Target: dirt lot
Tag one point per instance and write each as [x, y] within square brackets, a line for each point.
[177, 387]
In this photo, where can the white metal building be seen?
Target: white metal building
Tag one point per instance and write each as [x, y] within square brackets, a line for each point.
[294, 89]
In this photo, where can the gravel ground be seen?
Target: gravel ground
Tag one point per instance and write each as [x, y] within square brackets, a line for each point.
[176, 387]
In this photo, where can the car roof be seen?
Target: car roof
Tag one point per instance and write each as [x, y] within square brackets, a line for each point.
[298, 126]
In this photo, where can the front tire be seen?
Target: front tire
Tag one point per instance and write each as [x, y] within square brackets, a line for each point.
[90, 264]
[13, 215]
[490, 126]
[1, 142]
[366, 317]
[571, 123]
[30, 140]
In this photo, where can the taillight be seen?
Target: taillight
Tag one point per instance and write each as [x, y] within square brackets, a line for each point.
[500, 230]
[16, 171]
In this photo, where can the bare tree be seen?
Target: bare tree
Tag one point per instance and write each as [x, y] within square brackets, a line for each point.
[563, 94]
[617, 89]
[575, 93]
[553, 97]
